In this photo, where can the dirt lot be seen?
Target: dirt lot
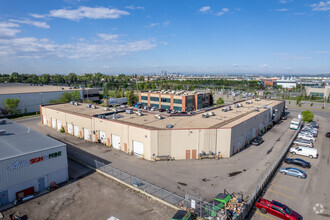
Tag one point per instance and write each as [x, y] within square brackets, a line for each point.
[93, 197]
[205, 178]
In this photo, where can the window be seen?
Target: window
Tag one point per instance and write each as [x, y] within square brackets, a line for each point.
[144, 103]
[317, 94]
[167, 100]
[154, 105]
[144, 97]
[154, 99]
[178, 101]
[165, 107]
[276, 208]
[177, 108]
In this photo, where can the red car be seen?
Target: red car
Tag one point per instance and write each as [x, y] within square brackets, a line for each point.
[327, 134]
[277, 209]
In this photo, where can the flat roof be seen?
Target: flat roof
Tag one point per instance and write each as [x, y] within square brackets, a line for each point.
[20, 140]
[14, 88]
[149, 121]
[175, 92]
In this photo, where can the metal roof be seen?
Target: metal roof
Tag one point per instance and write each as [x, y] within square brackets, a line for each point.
[20, 140]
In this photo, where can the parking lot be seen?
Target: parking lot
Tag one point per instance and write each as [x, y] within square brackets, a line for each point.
[200, 178]
[306, 196]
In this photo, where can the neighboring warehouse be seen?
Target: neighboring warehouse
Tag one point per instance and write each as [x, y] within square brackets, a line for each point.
[321, 92]
[29, 162]
[175, 100]
[32, 96]
[147, 134]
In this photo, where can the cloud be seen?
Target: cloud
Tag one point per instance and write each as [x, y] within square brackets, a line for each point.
[282, 9]
[222, 12]
[132, 7]
[205, 9]
[85, 12]
[30, 47]
[108, 37]
[8, 29]
[321, 6]
[37, 15]
[163, 24]
[321, 52]
[39, 24]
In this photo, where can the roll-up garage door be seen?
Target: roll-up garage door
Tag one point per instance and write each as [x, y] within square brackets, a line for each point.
[138, 148]
[70, 128]
[102, 137]
[115, 141]
[44, 120]
[76, 130]
[53, 122]
[59, 125]
[86, 134]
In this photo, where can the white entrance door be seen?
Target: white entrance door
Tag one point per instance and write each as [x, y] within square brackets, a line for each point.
[70, 128]
[102, 137]
[86, 134]
[59, 125]
[44, 120]
[53, 122]
[138, 148]
[76, 131]
[115, 141]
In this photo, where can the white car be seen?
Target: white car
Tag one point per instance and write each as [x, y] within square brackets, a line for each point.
[304, 151]
[305, 136]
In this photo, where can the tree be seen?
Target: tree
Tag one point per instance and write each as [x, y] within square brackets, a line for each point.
[211, 98]
[220, 101]
[131, 98]
[75, 95]
[65, 97]
[307, 116]
[11, 106]
[299, 100]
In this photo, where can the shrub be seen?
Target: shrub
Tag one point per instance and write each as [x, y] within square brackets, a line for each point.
[62, 130]
[307, 116]
[311, 104]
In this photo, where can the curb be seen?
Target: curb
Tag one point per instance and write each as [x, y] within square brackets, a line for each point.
[126, 184]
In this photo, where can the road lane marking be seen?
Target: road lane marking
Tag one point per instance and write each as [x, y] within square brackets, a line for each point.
[284, 188]
[282, 194]
[265, 215]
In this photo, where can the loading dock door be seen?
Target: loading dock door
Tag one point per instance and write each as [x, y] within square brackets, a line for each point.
[70, 128]
[41, 184]
[102, 137]
[76, 130]
[59, 125]
[86, 134]
[4, 197]
[115, 141]
[138, 148]
[53, 122]
[44, 120]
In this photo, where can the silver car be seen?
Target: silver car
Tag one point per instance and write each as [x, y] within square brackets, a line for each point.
[293, 172]
[304, 143]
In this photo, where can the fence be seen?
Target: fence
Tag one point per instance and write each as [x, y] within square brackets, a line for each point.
[264, 181]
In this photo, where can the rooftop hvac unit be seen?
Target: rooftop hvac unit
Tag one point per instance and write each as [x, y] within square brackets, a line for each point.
[94, 106]
[224, 109]
[257, 99]
[256, 109]
[88, 105]
[76, 103]
[139, 114]
[249, 102]
[205, 115]
[106, 109]
[72, 102]
[211, 114]
[236, 105]
[159, 117]
[264, 106]
[3, 122]
[129, 111]
[169, 126]
[2, 132]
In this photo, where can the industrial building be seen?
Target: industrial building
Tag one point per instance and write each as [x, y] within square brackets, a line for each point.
[32, 96]
[175, 100]
[29, 162]
[319, 91]
[225, 130]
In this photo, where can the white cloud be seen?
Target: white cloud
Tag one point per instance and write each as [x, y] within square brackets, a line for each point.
[132, 7]
[30, 47]
[222, 12]
[8, 25]
[39, 24]
[85, 12]
[8, 29]
[37, 15]
[321, 6]
[108, 37]
[205, 9]
[164, 24]
[282, 9]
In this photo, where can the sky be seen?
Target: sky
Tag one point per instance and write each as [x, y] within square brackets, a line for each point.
[149, 36]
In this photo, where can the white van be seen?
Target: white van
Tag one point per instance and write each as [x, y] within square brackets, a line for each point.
[295, 123]
[304, 151]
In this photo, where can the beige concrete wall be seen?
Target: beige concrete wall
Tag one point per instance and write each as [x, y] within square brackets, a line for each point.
[224, 142]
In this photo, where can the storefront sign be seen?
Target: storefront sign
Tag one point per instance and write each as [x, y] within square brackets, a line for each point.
[23, 163]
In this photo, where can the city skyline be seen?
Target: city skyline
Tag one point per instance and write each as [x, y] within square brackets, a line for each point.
[216, 37]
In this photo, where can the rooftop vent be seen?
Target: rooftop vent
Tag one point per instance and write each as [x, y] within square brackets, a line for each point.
[139, 114]
[249, 102]
[211, 114]
[2, 132]
[88, 105]
[76, 103]
[3, 122]
[169, 126]
[94, 106]
[129, 111]
[106, 109]
[159, 117]
[205, 115]
[257, 109]
[72, 102]
[264, 106]
[257, 99]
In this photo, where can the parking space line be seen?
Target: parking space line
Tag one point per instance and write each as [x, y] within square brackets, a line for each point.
[282, 194]
[284, 188]
[265, 215]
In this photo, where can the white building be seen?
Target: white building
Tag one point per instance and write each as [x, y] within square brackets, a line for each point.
[29, 162]
[288, 83]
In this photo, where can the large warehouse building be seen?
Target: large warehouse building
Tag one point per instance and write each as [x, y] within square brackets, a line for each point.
[146, 134]
[29, 162]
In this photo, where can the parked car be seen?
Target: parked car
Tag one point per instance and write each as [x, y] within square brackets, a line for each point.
[161, 110]
[293, 172]
[304, 143]
[284, 117]
[306, 127]
[304, 136]
[257, 141]
[304, 151]
[327, 134]
[298, 162]
[305, 131]
[313, 124]
[277, 209]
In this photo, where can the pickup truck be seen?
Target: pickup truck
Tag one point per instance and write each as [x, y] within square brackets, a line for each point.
[277, 209]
